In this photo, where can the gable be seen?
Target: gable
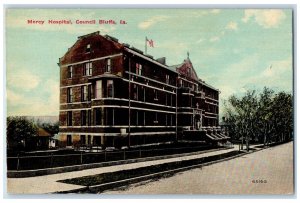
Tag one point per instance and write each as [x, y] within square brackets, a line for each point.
[187, 69]
[90, 47]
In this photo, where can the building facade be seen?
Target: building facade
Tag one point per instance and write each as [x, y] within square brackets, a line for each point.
[112, 94]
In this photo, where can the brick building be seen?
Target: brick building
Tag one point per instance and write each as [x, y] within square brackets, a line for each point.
[112, 94]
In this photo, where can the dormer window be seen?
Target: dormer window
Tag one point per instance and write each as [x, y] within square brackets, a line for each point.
[88, 48]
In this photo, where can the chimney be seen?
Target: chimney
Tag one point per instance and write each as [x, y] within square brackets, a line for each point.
[162, 60]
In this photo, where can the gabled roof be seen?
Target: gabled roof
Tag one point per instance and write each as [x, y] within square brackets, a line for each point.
[41, 132]
[146, 57]
[186, 68]
[77, 52]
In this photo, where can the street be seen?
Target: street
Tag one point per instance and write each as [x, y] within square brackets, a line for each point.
[269, 171]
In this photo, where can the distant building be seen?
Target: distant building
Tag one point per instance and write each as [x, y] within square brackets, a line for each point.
[42, 138]
[112, 94]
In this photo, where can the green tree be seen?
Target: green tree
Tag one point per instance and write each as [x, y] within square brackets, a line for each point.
[19, 131]
[282, 117]
[242, 116]
[52, 128]
[265, 118]
[264, 113]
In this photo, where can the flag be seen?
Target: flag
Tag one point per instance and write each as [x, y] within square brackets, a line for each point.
[150, 42]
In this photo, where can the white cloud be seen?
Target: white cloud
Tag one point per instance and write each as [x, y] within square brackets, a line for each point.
[232, 26]
[267, 18]
[12, 97]
[200, 41]
[214, 39]
[177, 49]
[53, 90]
[240, 77]
[215, 11]
[249, 74]
[152, 21]
[277, 69]
[235, 76]
[198, 13]
[23, 79]
[38, 105]
[226, 91]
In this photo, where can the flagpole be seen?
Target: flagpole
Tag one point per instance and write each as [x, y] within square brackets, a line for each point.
[145, 45]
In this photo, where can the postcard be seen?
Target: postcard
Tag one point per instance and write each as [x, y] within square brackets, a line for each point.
[150, 101]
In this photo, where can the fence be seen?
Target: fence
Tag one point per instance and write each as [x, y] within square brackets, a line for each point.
[54, 160]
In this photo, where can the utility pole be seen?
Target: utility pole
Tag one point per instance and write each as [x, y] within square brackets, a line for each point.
[129, 102]
[176, 110]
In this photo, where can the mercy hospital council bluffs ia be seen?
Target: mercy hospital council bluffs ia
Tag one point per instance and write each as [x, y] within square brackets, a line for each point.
[80, 22]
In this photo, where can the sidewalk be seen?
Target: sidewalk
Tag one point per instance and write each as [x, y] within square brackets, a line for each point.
[274, 166]
[48, 183]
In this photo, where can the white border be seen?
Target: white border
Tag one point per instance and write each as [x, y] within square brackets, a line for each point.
[206, 4]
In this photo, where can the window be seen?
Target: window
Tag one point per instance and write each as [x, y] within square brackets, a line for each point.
[69, 95]
[89, 140]
[82, 139]
[133, 116]
[69, 140]
[88, 69]
[166, 119]
[110, 88]
[98, 116]
[138, 69]
[141, 117]
[83, 117]
[166, 98]
[155, 121]
[89, 92]
[155, 95]
[69, 118]
[70, 71]
[84, 93]
[89, 116]
[98, 89]
[88, 48]
[180, 83]
[135, 92]
[167, 79]
[108, 65]
[109, 116]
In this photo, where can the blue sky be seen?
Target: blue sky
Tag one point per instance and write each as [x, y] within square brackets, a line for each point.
[232, 49]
